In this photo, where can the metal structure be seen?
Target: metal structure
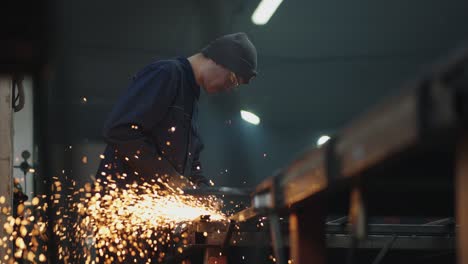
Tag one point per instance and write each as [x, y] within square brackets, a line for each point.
[401, 158]
[217, 238]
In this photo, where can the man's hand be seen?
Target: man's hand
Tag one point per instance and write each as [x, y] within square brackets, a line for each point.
[178, 183]
[200, 181]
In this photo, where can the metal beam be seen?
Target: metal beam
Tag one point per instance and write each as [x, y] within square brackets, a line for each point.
[307, 235]
[337, 241]
[399, 229]
[427, 243]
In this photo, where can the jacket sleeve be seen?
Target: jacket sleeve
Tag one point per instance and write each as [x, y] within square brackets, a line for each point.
[139, 109]
[197, 176]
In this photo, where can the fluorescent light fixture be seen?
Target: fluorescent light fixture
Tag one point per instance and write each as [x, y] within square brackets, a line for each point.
[264, 11]
[322, 140]
[250, 117]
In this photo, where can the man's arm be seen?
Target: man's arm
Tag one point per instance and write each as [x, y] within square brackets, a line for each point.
[141, 108]
[197, 176]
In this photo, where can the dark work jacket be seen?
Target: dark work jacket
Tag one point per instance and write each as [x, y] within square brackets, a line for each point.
[152, 130]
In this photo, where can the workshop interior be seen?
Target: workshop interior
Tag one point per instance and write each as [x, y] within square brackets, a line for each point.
[349, 146]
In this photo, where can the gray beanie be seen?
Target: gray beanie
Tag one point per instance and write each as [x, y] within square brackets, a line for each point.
[235, 52]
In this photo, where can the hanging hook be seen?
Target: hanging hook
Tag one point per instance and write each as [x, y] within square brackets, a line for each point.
[18, 100]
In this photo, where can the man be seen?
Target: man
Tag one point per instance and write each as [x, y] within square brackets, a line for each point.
[152, 131]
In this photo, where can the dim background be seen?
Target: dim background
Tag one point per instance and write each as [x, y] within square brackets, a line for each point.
[320, 63]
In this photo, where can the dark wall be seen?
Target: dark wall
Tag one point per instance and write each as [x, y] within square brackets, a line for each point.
[320, 63]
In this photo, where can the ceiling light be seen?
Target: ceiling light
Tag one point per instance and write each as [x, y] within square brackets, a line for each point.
[264, 11]
[322, 140]
[250, 117]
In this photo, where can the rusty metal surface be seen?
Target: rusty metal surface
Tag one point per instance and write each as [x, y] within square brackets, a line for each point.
[304, 177]
[245, 215]
[379, 133]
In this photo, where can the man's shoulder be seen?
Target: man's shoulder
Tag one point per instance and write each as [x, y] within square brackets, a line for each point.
[170, 65]
[167, 66]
